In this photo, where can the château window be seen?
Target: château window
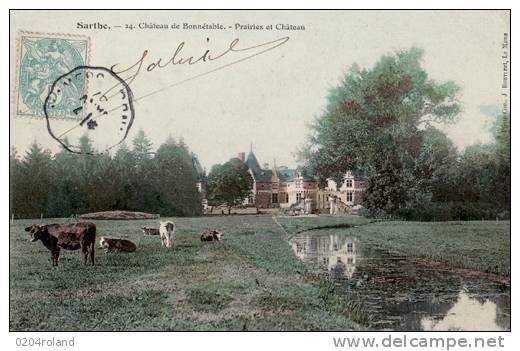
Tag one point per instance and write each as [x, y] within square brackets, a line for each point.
[349, 183]
[349, 196]
[275, 199]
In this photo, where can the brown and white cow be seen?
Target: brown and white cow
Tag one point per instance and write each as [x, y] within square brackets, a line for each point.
[211, 235]
[150, 231]
[166, 230]
[116, 245]
[74, 236]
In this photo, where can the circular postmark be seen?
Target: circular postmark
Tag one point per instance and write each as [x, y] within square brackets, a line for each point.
[105, 109]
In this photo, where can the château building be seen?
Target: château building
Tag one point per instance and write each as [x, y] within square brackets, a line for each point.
[282, 187]
[276, 186]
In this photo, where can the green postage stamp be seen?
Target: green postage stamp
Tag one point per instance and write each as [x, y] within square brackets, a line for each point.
[42, 59]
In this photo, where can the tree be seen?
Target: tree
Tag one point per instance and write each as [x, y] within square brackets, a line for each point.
[65, 198]
[375, 112]
[502, 188]
[142, 147]
[229, 184]
[436, 167]
[15, 202]
[385, 191]
[126, 165]
[105, 188]
[142, 175]
[483, 172]
[72, 183]
[32, 185]
[477, 171]
[174, 181]
[125, 156]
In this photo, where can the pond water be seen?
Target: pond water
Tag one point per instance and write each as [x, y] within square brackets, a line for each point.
[399, 294]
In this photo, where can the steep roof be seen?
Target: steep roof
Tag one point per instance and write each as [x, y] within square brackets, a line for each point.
[286, 174]
[252, 163]
[265, 175]
[260, 175]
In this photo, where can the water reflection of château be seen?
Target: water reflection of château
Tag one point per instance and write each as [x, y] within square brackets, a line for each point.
[331, 251]
[415, 297]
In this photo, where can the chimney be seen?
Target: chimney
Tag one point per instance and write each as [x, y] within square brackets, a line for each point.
[242, 156]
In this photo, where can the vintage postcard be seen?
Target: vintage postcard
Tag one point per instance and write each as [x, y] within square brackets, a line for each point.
[260, 171]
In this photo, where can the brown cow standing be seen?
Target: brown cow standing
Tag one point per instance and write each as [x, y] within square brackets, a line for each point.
[66, 236]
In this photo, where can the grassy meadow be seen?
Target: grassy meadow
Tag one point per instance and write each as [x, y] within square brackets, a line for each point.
[482, 246]
[250, 281]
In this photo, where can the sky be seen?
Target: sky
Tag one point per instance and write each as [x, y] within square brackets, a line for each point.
[270, 99]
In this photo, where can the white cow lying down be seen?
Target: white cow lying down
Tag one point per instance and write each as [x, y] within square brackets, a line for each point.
[166, 231]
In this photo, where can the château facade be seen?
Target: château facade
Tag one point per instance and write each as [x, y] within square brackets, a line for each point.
[349, 192]
[282, 187]
[278, 186]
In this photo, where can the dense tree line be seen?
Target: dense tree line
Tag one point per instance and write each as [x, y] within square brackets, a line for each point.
[135, 179]
[381, 122]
